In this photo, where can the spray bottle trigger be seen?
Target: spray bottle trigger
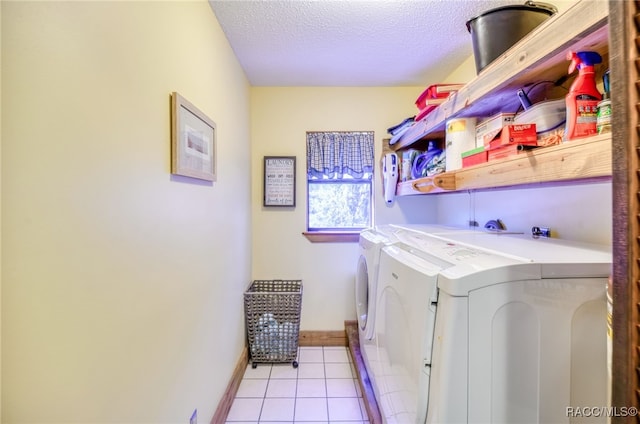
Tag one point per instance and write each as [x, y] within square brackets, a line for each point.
[575, 60]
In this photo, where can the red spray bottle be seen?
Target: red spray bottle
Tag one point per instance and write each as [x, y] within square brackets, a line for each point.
[582, 100]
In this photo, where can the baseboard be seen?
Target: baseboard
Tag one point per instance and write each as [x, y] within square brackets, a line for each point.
[224, 406]
[351, 329]
[323, 338]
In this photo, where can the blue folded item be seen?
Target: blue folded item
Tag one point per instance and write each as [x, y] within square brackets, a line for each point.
[399, 134]
[402, 126]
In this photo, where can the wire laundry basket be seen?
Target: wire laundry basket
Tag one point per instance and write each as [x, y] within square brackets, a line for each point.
[272, 320]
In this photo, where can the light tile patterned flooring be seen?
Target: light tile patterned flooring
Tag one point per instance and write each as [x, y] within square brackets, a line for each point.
[323, 389]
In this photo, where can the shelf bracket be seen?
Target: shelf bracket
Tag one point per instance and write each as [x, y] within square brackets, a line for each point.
[441, 181]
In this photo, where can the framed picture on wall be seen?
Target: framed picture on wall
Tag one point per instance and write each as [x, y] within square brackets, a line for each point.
[279, 181]
[193, 141]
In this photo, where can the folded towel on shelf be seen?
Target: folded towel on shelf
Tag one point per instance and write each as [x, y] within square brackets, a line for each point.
[437, 165]
[402, 126]
[398, 135]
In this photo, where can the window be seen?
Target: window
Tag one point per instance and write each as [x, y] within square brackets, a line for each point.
[339, 181]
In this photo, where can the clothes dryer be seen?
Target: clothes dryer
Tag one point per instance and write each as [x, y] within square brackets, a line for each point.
[536, 345]
[370, 243]
[407, 310]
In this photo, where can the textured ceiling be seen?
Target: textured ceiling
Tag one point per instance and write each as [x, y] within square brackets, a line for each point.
[350, 42]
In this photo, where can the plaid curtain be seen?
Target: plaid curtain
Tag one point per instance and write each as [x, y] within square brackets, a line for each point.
[334, 154]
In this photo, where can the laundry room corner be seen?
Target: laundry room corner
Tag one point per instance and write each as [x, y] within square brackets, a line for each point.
[280, 118]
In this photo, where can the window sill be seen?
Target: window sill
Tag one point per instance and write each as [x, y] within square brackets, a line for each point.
[331, 237]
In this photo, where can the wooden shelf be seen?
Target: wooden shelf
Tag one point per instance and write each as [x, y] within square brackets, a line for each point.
[540, 56]
[582, 159]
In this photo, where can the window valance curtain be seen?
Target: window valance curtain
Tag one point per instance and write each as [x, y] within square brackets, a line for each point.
[336, 154]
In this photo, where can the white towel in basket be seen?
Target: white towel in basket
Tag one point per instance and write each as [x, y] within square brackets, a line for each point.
[273, 338]
[266, 333]
[267, 323]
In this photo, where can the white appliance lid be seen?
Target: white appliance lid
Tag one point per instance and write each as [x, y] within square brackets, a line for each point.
[464, 268]
[416, 259]
[378, 235]
[430, 228]
[557, 258]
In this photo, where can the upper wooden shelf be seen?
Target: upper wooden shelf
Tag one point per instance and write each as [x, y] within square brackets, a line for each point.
[540, 56]
[581, 159]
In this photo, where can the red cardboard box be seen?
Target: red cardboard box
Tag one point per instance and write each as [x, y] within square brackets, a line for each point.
[516, 134]
[487, 129]
[474, 157]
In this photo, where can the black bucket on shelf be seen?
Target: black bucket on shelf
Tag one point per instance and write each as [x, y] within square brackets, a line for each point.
[495, 30]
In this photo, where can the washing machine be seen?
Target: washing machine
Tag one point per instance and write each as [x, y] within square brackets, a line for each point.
[371, 241]
[515, 332]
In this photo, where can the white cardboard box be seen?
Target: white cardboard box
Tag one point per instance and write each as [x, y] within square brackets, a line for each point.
[487, 130]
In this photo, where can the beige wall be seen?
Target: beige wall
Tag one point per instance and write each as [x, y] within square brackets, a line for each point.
[575, 212]
[121, 286]
[280, 118]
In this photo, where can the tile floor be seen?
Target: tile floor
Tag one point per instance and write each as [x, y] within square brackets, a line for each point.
[322, 390]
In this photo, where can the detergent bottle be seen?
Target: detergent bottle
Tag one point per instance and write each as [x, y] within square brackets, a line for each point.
[583, 98]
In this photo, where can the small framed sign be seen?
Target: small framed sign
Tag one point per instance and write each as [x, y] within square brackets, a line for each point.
[279, 181]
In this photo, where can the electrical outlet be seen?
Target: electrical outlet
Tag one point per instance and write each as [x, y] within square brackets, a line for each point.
[194, 417]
